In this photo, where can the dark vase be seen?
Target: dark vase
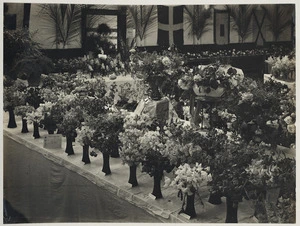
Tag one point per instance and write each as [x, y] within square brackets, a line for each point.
[156, 187]
[106, 167]
[69, 147]
[24, 126]
[85, 154]
[231, 211]
[132, 176]
[12, 119]
[190, 206]
[215, 198]
[115, 152]
[36, 133]
[154, 91]
[58, 131]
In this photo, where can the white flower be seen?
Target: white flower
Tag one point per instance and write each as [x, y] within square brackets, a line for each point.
[291, 128]
[166, 61]
[288, 120]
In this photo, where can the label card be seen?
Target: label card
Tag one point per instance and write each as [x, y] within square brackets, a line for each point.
[52, 141]
[185, 216]
[152, 196]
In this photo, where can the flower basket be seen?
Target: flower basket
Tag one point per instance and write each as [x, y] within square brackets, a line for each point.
[201, 91]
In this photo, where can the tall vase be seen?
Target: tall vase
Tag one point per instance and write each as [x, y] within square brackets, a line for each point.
[85, 154]
[36, 133]
[190, 205]
[69, 147]
[12, 119]
[106, 167]
[231, 211]
[24, 126]
[132, 175]
[156, 187]
[215, 198]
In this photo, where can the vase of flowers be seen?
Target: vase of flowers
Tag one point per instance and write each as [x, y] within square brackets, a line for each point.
[22, 111]
[106, 130]
[71, 120]
[210, 80]
[155, 160]
[188, 180]
[156, 69]
[84, 138]
[35, 117]
[130, 152]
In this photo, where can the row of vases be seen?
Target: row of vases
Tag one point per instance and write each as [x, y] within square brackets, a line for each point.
[189, 209]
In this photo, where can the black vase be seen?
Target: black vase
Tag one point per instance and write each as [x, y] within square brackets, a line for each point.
[215, 198]
[231, 211]
[50, 131]
[12, 119]
[115, 152]
[154, 92]
[36, 133]
[69, 147]
[24, 126]
[85, 154]
[132, 176]
[190, 205]
[106, 167]
[156, 187]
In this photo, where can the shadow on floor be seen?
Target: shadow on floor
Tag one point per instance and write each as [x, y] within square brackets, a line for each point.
[11, 216]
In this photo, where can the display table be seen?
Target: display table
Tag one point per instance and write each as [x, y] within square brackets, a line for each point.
[46, 185]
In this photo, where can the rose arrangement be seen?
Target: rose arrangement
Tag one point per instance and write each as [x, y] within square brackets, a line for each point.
[210, 77]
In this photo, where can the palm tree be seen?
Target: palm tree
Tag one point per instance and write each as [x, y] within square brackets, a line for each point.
[280, 18]
[141, 18]
[241, 15]
[63, 21]
[197, 20]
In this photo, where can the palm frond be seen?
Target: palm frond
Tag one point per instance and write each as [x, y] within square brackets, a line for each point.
[279, 17]
[241, 16]
[197, 20]
[141, 18]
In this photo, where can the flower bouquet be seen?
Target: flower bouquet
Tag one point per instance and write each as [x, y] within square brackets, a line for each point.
[22, 111]
[211, 80]
[105, 138]
[84, 138]
[282, 66]
[156, 69]
[188, 180]
[71, 120]
[130, 152]
[35, 117]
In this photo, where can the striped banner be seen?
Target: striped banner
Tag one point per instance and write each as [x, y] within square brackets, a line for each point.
[170, 25]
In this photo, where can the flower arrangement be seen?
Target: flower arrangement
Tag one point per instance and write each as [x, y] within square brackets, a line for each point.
[127, 96]
[134, 128]
[282, 66]
[156, 69]
[210, 77]
[84, 135]
[188, 179]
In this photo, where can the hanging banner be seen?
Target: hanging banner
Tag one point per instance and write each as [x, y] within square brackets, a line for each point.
[170, 25]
